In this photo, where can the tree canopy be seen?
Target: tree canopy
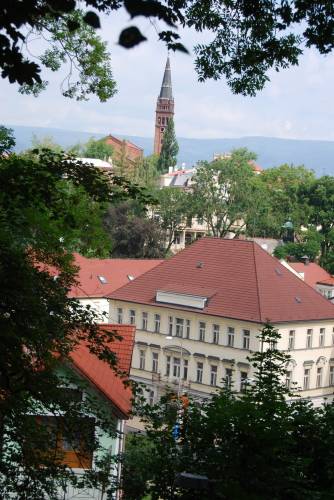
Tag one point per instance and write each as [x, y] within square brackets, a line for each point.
[169, 148]
[255, 445]
[248, 39]
[7, 140]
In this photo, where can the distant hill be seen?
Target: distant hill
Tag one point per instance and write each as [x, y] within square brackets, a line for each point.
[271, 151]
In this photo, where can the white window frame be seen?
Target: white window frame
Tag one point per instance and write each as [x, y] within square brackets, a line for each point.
[142, 359]
[199, 372]
[331, 375]
[155, 362]
[168, 366]
[201, 331]
[185, 369]
[320, 372]
[230, 336]
[170, 325]
[306, 379]
[132, 316]
[188, 324]
[228, 377]
[309, 335]
[215, 334]
[176, 367]
[157, 323]
[246, 339]
[322, 333]
[213, 375]
[144, 320]
[179, 322]
[119, 315]
[291, 340]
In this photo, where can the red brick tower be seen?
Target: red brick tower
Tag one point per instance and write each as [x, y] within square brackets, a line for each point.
[165, 108]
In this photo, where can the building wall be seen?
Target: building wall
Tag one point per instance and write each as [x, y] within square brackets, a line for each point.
[222, 356]
[99, 305]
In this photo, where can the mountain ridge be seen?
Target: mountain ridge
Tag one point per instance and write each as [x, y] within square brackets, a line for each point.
[317, 155]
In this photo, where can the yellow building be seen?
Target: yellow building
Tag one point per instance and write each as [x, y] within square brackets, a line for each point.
[198, 316]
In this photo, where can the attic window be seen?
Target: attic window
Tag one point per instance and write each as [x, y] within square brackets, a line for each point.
[103, 280]
[298, 300]
[130, 277]
[181, 299]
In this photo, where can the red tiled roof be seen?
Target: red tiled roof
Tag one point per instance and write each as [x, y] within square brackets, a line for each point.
[313, 273]
[116, 271]
[102, 375]
[250, 284]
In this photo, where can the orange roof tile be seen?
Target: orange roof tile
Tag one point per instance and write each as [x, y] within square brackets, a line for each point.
[116, 272]
[313, 273]
[249, 284]
[100, 374]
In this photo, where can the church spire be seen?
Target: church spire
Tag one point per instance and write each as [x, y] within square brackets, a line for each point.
[165, 108]
[166, 86]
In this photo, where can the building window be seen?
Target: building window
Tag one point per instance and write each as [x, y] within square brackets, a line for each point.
[243, 381]
[167, 366]
[155, 357]
[291, 344]
[331, 375]
[215, 334]
[179, 327]
[201, 331]
[306, 384]
[144, 321]
[71, 446]
[309, 338]
[322, 337]
[176, 367]
[157, 323]
[199, 373]
[187, 328]
[132, 316]
[333, 336]
[151, 398]
[246, 339]
[177, 239]
[213, 375]
[230, 337]
[120, 315]
[319, 377]
[288, 379]
[170, 325]
[185, 369]
[142, 355]
[228, 377]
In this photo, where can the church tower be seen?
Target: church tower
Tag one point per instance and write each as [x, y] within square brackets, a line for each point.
[165, 108]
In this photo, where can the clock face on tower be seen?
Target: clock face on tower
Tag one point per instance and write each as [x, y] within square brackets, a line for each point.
[165, 108]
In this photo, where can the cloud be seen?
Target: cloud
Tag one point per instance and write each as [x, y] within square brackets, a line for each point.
[297, 103]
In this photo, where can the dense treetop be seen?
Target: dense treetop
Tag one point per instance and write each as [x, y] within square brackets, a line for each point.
[248, 38]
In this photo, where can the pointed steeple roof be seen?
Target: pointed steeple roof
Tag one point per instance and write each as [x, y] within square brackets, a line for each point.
[166, 86]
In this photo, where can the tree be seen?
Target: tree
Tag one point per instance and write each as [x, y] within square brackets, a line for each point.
[146, 172]
[40, 325]
[319, 196]
[93, 149]
[7, 140]
[222, 193]
[132, 234]
[173, 207]
[247, 39]
[282, 187]
[309, 246]
[169, 149]
[271, 440]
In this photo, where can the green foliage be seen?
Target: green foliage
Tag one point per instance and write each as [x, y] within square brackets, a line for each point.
[256, 445]
[223, 193]
[173, 206]
[73, 41]
[93, 149]
[310, 247]
[7, 140]
[146, 172]
[44, 211]
[319, 196]
[282, 199]
[46, 142]
[133, 235]
[169, 149]
[247, 39]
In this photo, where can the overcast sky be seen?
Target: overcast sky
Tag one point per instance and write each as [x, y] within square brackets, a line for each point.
[297, 103]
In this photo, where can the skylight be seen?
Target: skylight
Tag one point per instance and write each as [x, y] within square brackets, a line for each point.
[103, 280]
[130, 277]
[298, 300]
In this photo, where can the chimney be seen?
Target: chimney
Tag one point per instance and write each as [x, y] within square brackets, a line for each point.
[305, 259]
